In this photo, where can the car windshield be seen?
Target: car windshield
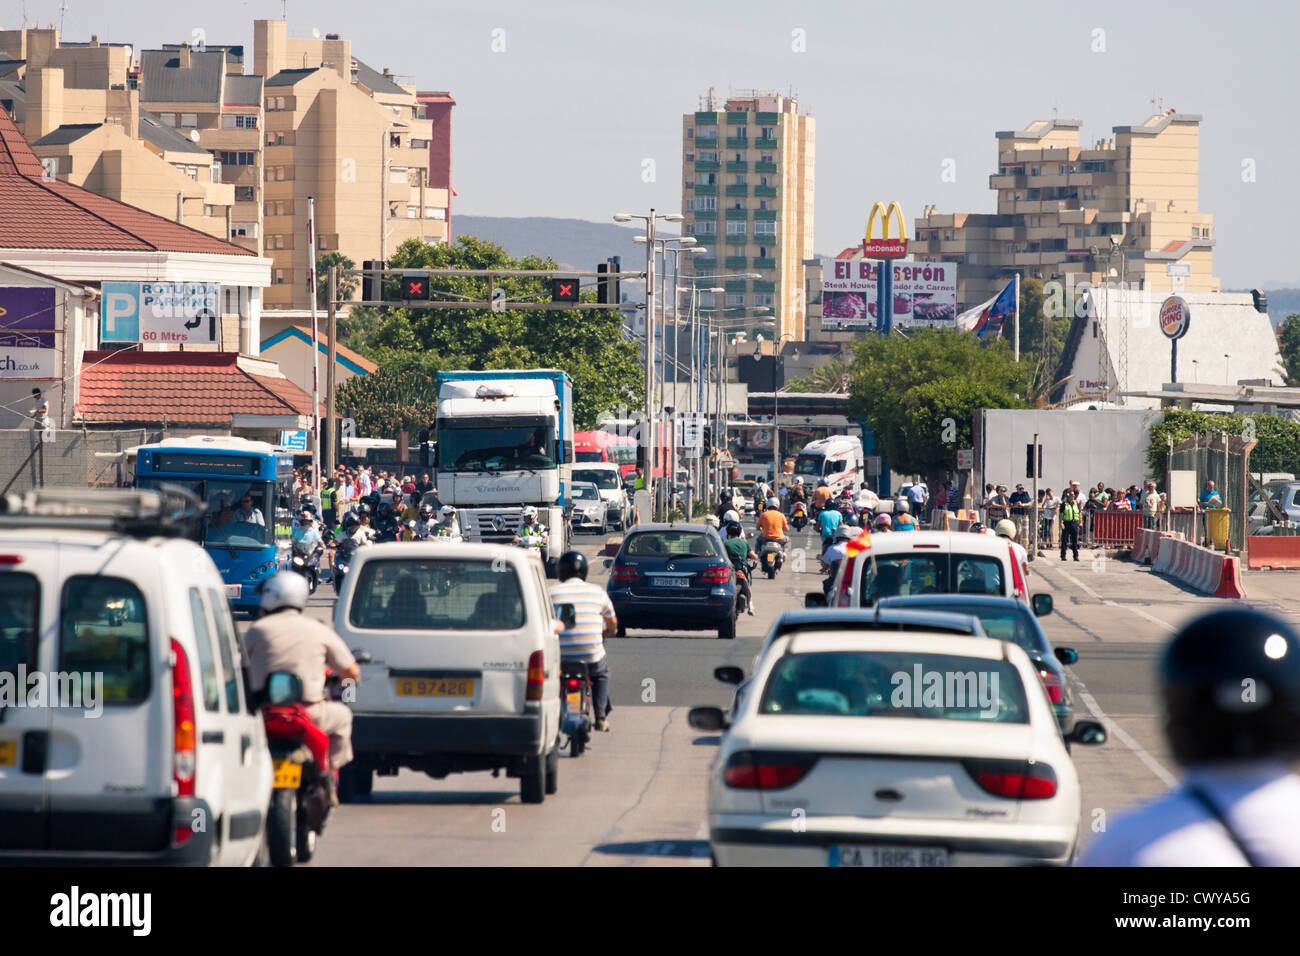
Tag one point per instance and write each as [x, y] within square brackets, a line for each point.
[496, 449]
[895, 684]
[236, 515]
[810, 465]
[902, 574]
[605, 480]
[670, 544]
[586, 493]
[436, 595]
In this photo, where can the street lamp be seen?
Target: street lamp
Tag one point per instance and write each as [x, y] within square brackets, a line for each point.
[1195, 377]
[1227, 368]
[383, 186]
[776, 423]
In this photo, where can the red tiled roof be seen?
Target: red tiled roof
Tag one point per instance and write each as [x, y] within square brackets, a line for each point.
[189, 388]
[36, 214]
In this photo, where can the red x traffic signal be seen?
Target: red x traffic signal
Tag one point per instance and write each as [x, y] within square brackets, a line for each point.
[564, 290]
[415, 287]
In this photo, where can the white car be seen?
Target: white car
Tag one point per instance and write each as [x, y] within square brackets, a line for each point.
[464, 669]
[156, 759]
[608, 479]
[893, 750]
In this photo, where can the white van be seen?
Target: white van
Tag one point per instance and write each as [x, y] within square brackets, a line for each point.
[144, 748]
[838, 459]
[464, 669]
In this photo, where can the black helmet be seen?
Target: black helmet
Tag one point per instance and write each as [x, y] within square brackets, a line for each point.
[363, 508]
[351, 522]
[1231, 687]
[733, 529]
[571, 564]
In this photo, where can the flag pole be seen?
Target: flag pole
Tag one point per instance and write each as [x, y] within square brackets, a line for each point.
[316, 483]
[1016, 346]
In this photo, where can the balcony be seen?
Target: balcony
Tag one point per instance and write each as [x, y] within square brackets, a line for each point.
[997, 181]
[765, 215]
[766, 144]
[764, 264]
[702, 266]
[706, 190]
[737, 167]
[706, 166]
[737, 118]
[738, 214]
[764, 167]
[767, 119]
[762, 286]
[703, 119]
[707, 214]
[1004, 233]
[767, 191]
[737, 239]
[737, 190]
[737, 142]
[735, 262]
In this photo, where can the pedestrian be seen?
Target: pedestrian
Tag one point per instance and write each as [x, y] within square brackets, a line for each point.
[998, 505]
[1047, 517]
[1235, 804]
[424, 485]
[1150, 506]
[1208, 498]
[365, 481]
[639, 483]
[1070, 519]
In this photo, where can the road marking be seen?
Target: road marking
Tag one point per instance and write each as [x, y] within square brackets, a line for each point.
[1152, 764]
[1107, 601]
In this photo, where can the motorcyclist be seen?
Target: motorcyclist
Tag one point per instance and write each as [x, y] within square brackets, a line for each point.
[412, 510]
[821, 495]
[828, 519]
[426, 522]
[448, 527]
[531, 529]
[729, 518]
[833, 554]
[904, 521]
[1235, 804]
[739, 552]
[594, 622]
[284, 639]
[1006, 528]
[772, 524]
[883, 523]
[386, 525]
[797, 492]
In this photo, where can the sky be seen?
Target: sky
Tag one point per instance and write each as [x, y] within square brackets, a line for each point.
[574, 109]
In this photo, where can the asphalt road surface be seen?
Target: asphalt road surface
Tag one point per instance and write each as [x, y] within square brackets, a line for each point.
[637, 796]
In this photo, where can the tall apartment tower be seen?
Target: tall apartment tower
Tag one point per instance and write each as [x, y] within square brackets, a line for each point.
[1124, 210]
[747, 194]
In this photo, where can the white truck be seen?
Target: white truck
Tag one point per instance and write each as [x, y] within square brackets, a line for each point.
[837, 458]
[505, 441]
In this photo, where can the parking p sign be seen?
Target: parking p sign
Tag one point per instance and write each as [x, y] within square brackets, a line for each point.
[173, 312]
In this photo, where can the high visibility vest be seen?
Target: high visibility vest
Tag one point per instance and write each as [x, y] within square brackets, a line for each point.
[1070, 511]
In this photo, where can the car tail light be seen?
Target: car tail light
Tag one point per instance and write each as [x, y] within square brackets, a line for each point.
[718, 575]
[11, 559]
[536, 676]
[1016, 779]
[625, 573]
[766, 770]
[1052, 684]
[1017, 578]
[184, 752]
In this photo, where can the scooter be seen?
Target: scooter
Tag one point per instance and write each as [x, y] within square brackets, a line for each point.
[307, 564]
[575, 705]
[303, 777]
[745, 574]
[771, 556]
[799, 516]
[342, 561]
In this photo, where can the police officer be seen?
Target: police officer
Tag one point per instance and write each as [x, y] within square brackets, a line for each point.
[284, 639]
[1070, 516]
[1231, 687]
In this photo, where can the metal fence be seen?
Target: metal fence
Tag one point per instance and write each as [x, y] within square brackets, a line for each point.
[1222, 459]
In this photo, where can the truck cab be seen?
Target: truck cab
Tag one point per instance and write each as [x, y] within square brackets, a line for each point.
[838, 459]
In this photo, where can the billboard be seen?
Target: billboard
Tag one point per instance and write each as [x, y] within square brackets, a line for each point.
[27, 332]
[925, 294]
[181, 312]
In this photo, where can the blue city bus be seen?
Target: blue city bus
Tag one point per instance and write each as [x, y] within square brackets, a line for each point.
[247, 490]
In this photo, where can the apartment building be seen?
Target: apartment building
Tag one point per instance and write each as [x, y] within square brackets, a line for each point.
[1124, 210]
[351, 137]
[747, 195]
[204, 95]
[78, 106]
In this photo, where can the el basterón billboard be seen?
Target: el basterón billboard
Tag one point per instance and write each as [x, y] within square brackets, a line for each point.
[925, 294]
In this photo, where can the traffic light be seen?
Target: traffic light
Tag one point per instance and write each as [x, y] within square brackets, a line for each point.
[1029, 460]
[426, 456]
[607, 292]
[415, 287]
[372, 283]
[564, 290]
[708, 441]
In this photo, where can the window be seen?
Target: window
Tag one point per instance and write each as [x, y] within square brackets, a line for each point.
[708, 157]
[395, 140]
[762, 252]
[228, 645]
[742, 132]
[767, 132]
[419, 144]
[690, 132]
[735, 227]
[1033, 170]
[279, 277]
[398, 174]
[104, 629]
[239, 121]
[735, 300]
[764, 299]
[436, 595]
[229, 158]
[706, 179]
[20, 595]
[412, 212]
[762, 181]
[8, 106]
[767, 228]
[168, 119]
[707, 300]
[438, 213]
[708, 133]
[248, 229]
[189, 120]
[706, 202]
[740, 181]
[688, 204]
[706, 228]
[767, 158]
[209, 211]
[245, 194]
[762, 204]
[203, 644]
[192, 172]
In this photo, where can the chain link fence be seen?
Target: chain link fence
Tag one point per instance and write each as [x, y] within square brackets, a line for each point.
[1223, 459]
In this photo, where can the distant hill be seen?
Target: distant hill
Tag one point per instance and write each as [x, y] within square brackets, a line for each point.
[1281, 303]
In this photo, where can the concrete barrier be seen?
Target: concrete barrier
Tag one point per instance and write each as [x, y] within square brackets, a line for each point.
[1278, 553]
[1230, 581]
[1144, 546]
[1201, 569]
[1164, 554]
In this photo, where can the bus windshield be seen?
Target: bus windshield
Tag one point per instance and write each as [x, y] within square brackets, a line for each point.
[236, 515]
[496, 449]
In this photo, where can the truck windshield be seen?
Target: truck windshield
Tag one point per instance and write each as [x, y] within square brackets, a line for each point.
[809, 465]
[496, 449]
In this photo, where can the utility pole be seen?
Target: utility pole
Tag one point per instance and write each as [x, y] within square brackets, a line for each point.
[651, 436]
[332, 323]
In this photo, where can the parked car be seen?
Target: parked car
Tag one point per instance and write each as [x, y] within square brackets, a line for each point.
[464, 664]
[673, 576]
[103, 582]
[588, 511]
[1008, 619]
[1285, 496]
[608, 480]
[882, 774]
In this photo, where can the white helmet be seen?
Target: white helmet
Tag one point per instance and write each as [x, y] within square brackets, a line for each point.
[529, 511]
[712, 520]
[798, 481]
[446, 511]
[731, 516]
[901, 506]
[285, 589]
[1006, 528]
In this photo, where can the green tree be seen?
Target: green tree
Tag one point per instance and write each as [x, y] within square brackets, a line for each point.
[589, 345]
[1278, 447]
[831, 377]
[346, 285]
[1289, 344]
[920, 394]
[400, 395]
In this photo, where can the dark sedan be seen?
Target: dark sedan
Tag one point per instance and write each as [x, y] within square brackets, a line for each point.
[1010, 619]
[674, 577]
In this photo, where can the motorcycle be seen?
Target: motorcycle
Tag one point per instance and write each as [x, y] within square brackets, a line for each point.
[799, 516]
[307, 563]
[531, 539]
[575, 705]
[300, 794]
[745, 574]
[771, 556]
[342, 561]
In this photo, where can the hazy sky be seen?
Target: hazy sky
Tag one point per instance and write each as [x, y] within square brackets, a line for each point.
[561, 122]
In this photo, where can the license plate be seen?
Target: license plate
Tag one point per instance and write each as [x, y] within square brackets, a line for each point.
[575, 701]
[8, 753]
[670, 582]
[435, 687]
[888, 856]
[287, 775]
[233, 591]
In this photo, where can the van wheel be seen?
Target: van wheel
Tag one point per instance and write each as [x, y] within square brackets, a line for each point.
[305, 841]
[280, 843]
[553, 771]
[532, 782]
[355, 783]
[727, 630]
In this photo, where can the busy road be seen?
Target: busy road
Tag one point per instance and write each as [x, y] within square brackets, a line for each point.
[637, 796]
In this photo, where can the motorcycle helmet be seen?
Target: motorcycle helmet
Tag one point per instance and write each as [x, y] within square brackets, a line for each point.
[285, 589]
[571, 564]
[1006, 528]
[902, 506]
[711, 521]
[426, 512]
[773, 503]
[351, 523]
[884, 521]
[731, 516]
[1203, 676]
[842, 533]
[734, 530]
[798, 481]
[385, 509]
[529, 512]
[447, 511]
[362, 509]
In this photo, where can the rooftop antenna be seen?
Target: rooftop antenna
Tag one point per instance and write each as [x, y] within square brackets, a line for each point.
[24, 14]
[63, 8]
[1157, 103]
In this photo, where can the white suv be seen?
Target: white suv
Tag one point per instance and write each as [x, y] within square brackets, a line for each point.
[464, 664]
[143, 748]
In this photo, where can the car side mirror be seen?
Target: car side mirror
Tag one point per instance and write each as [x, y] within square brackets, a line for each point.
[1042, 604]
[728, 674]
[363, 657]
[1088, 732]
[707, 718]
[814, 599]
[567, 615]
[609, 563]
[1067, 655]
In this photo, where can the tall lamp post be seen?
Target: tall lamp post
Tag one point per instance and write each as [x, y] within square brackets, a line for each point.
[776, 421]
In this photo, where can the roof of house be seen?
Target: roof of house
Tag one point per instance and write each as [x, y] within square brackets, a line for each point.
[290, 77]
[165, 137]
[36, 214]
[68, 133]
[375, 81]
[243, 91]
[164, 80]
[353, 361]
[190, 388]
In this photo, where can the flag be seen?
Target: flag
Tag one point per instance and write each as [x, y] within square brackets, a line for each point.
[859, 544]
[989, 316]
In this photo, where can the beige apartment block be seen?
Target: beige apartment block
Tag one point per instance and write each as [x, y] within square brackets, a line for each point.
[747, 194]
[1121, 211]
[204, 95]
[353, 139]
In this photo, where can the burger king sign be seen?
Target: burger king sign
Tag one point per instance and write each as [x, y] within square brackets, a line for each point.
[1175, 317]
